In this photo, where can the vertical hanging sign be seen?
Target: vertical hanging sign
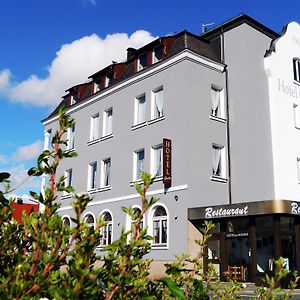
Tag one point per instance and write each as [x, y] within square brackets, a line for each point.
[167, 162]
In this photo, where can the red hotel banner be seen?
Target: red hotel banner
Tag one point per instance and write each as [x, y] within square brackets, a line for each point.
[167, 162]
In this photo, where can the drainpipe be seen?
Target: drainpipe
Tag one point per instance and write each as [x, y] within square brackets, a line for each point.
[227, 117]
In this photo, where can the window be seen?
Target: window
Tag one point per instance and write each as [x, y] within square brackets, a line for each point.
[106, 230]
[92, 175]
[157, 103]
[139, 163]
[140, 109]
[71, 138]
[106, 168]
[109, 79]
[297, 115]
[74, 97]
[217, 102]
[107, 122]
[66, 221]
[296, 68]
[89, 220]
[157, 53]
[97, 86]
[94, 132]
[157, 160]
[68, 177]
[47, 139]
[218, 161]
[160, 226]
[137, 212]
[142, 61]
[298, 168]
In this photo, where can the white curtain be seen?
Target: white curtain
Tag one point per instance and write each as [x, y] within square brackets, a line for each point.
[95, 128]
[216, 159]
[109, 117]
[141, 110]
[140, 166]
[158, 161]
[159, 101]
[215, 101]
[107, 173]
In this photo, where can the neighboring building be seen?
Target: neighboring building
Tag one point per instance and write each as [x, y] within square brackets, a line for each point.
[227, 105]
[19, 207]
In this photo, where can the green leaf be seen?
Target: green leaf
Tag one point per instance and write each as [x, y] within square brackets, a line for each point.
[173, 288]
[4, 176]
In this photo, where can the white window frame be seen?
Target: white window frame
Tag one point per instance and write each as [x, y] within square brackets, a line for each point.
[154, 58]
[221, 170]
[296, 69]
[151, 219]
[296, 108]
[71, 138]
[155, 113]
[219, 112]
[140, 110]
[47, 139]
[154, 160]
[107, 117]
[142, 66]
[136, 171]
[92, 176]
[104, 170]
[95, 128]
[108, 226]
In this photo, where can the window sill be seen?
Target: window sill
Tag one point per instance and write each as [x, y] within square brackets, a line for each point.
[71, 150]
[138, 181]
[297, 127]
[297, 82]
[218, 119]
[137, 126]
[106, 137]
[92, 191]
[159, 247]
[66, 196]
[158, 178]
[156, 120]
[218, 179]
[104, 188]
[93, 142]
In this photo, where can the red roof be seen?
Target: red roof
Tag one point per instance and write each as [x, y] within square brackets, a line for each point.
[19, 208]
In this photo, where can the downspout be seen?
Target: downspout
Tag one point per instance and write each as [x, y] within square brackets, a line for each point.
[227, 117]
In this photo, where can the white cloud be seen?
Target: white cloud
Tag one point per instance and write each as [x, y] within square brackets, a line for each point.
[73, 63]
[18, 174]
[5, 78]
[28, 152]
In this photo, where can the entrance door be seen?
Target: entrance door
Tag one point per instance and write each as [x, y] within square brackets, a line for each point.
[239, 258]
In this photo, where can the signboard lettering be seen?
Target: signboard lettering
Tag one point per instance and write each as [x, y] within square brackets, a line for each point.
[295, 208]
[225, 212]
[167, 162]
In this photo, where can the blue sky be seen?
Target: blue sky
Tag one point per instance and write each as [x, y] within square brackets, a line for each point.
[49, 45]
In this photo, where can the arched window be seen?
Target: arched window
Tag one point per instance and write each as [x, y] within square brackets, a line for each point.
[137, 213]
[106, 230]
[89, 220]
[66, 221]
[160, 226]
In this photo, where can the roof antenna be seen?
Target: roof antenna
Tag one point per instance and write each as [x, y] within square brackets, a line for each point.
[205, 26]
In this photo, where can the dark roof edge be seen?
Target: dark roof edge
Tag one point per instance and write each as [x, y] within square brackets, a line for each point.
[236, 21]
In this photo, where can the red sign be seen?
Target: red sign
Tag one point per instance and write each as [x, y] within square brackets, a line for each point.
[167, 162]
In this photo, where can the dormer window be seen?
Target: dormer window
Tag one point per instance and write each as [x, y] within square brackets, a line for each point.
[296, 66]
[97, 86]
[157, 53]
[109, 79]
[74, 97]
[142, 61]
